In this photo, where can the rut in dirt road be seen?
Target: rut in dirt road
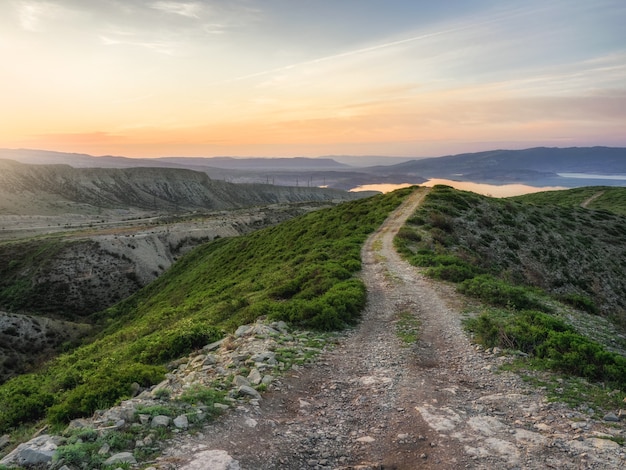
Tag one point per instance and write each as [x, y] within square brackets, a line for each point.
[377, 402]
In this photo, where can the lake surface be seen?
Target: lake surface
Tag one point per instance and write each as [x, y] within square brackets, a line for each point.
[593, 176]
[494, 190]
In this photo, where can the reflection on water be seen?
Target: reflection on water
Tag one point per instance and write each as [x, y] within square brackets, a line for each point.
[383, 188]
[494, 190]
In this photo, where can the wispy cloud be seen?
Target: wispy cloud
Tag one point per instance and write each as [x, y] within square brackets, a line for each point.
[186, 9]
[459, 32]
[131, 39]
[33, 14]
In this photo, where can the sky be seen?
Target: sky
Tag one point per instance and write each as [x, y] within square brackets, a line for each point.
[151, 78]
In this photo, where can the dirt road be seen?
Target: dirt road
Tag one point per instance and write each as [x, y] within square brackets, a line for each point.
[376, 401]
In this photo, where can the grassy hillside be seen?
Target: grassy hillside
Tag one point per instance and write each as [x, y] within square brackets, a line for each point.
[300, 271]
[576, 254]
[528, 262]
[607, 198]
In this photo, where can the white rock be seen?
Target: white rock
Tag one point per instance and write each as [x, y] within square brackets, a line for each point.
[181, 422]
[254, 377]
[248, 391]
[37, 451]
[122, 457]
[160, 420]
[212, 459]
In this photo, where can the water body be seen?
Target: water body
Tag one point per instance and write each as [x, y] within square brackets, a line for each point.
[493, 190]
[593, 176]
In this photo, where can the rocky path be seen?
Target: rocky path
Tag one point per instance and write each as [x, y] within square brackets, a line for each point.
[375, 401]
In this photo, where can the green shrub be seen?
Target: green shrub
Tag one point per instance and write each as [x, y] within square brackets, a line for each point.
[574, 354]
[163, 346]
[548, 339]
[408, 234]
[499, 293]
[79, 454]
[581, 302]
[23, 400]
[101, 389]
[201, 395]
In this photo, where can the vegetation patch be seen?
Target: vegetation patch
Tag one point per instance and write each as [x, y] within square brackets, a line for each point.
[301, 271]
[575, 254]
[550, 342]
[600, 198]
[577, 392]
[407, 328]
[527, 258]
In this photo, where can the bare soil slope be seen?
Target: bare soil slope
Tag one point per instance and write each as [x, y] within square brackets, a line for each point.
[374, 402]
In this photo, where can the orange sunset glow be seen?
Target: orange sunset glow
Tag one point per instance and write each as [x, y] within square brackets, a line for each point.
[406, 78]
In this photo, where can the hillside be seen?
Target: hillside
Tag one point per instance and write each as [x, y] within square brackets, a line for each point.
[58, 189]
[534, 166]
[72, 275]
[573, 253]
[541, 166]
[406, 386]
[80, 160]
[604, 198]
[300, 271]
[302, 172]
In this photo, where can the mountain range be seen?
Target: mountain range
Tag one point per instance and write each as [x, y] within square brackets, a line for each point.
[540, 166]
[50, 189]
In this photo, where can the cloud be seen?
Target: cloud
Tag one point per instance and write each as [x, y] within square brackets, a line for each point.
[120, 38]
[186, 9]
[32, 15]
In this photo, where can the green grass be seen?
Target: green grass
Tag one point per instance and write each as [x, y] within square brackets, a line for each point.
[526, 258]
[407, 328]
[575, 391]
[576, 255]
[301, 271]
[612, 199]
[550, 342]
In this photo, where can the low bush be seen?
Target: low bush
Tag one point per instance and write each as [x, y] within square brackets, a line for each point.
[23, 400]
[500, 293]
[579, 301]
[551, 342]
[201, 395]
[163, 346]
[408, 234]
[102, 388]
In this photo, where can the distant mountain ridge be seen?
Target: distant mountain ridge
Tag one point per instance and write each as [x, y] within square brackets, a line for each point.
[81, 160]
[521, 164]
[539, 166]
[35, 186]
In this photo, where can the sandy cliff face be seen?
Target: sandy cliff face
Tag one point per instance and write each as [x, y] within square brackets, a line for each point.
[52, 189]
[87, 273]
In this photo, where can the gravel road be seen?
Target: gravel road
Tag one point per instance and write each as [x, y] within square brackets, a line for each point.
[376, 401]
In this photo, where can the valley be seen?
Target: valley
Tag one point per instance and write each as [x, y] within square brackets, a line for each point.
[96, 277]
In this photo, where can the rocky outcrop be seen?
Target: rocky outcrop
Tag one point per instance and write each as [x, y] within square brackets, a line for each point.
[240, 366]
[35, 453]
